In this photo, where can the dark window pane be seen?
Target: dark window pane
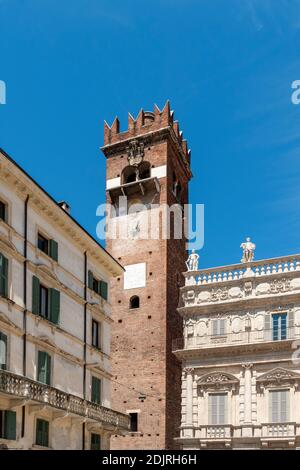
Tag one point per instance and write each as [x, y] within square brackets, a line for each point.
[8, 425]
[3, 351]
[133, 422]
[43, 244]
[95, 334]
[96, 390]
[2, 211]
[44, 301]
[44, 367]
[42, 433]
[95, 442]
[96, 285]
[2, 424]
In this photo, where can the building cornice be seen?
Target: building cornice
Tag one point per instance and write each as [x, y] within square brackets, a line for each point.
[159, 135]
[44, 204]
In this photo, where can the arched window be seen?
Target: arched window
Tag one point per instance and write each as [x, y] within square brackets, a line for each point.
[134, 302]
[129, 175]
[144, 171]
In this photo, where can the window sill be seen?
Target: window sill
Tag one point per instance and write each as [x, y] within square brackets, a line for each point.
[7, 299]
[98, 296]
[42, 254]
[38, 447]
[44, 319]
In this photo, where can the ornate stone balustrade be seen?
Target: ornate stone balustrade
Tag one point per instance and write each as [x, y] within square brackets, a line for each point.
[227, 432]
[235, 272]
[278, 430]
[21, 387]
[231, 339]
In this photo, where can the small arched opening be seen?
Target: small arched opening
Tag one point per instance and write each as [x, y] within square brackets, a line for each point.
[134, 302]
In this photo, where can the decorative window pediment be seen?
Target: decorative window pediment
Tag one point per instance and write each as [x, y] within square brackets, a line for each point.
[44, 269]
[218, 381]
[7, 246]
[278, 376]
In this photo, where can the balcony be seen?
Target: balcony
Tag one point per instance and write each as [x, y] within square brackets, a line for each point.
[19, 387]
[136, 187]
[255, 435]
[236, 339]
[275, 431]
[235, 272]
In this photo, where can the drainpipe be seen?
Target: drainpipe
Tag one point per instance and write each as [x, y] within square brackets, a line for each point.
[84, 346]
[25, 302]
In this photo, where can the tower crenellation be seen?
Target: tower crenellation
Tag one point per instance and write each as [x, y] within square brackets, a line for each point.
[146, 123]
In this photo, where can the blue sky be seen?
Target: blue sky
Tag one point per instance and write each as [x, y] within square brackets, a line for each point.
[227, 68]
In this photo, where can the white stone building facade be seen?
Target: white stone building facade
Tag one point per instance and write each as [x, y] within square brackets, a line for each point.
[240, 356]
[54, 323]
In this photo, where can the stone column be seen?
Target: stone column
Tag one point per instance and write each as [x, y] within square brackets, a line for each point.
[189, 395]
[248, 394]
[187, 428]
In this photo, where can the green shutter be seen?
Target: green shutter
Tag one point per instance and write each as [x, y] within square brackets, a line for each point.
[44, 367]
[35, 295]
[54, 305]
[95, 442]
[3, 276]
[54, 250]
[42, 432]
[3, 351]
[103, 289]
[96, 390]
[10, 424]
[90, 280]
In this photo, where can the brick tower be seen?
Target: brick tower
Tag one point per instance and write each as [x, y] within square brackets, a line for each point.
[150, 165]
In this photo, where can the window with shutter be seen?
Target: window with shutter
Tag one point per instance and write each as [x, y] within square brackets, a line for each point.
[42, 433]
[103, 289]
[43, 244]
[3, 211]
[54, 305]
[267, 327]
[291, 318]
[95, 334]
[35, 295]
[279, 406]
[44, 367]
[95, 441]
[44, 302]
[100, 287]
[96, 391]
[3, 276]
[8, 424]
[53, 250]
[279, 326]
[90, 280]
[217, 408]
[219, 327]
[3, 351]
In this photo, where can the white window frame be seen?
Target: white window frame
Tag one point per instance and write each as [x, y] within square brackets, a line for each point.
[288, 403]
